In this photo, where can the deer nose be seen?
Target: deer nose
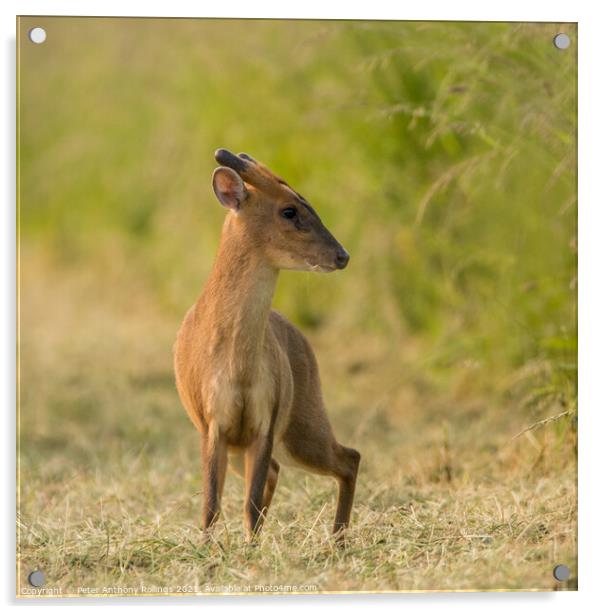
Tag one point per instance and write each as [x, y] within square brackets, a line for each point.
[341, 259]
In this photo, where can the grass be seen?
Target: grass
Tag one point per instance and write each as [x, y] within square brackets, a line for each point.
[110, 479]
[438, 537]
[443, 157]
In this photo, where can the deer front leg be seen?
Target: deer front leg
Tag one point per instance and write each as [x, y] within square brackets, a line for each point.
[214, 460]
[258, 457]
[270, 484]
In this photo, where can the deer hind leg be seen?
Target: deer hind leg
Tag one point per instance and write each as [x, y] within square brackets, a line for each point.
[347, 465]
[214, 460]
[325, 456]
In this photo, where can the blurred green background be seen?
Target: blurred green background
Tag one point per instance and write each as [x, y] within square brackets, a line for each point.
[442, 155]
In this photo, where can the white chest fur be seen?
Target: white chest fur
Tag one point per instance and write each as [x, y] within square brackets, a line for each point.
[241, 408]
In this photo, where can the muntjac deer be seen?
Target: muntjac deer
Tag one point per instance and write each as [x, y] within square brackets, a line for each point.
[247, 377]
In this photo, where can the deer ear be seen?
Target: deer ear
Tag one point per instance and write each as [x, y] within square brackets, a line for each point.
[229, 187]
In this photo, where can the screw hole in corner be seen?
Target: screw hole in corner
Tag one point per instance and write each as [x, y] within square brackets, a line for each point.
[562, 41]
[561, 573]
[37, 35]
[36, 578]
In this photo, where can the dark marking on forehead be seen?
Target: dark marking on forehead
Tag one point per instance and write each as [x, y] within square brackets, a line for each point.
[299, 197]
[308, 206]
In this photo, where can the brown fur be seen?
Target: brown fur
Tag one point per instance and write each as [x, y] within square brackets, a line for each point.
[246, 376]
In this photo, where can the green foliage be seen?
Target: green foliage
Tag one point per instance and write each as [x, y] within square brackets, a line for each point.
[479, 180]
[441, 154]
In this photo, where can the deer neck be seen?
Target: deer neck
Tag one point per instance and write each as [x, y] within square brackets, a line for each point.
[237, 300]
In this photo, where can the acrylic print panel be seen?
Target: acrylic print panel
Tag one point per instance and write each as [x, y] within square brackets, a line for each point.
[442, 157]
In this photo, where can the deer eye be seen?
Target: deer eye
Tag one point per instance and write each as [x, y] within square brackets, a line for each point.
[289, 213]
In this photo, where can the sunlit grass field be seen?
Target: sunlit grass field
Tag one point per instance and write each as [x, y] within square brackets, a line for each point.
[443, 156]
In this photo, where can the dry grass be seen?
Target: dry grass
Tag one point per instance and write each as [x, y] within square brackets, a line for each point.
[109, 473]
